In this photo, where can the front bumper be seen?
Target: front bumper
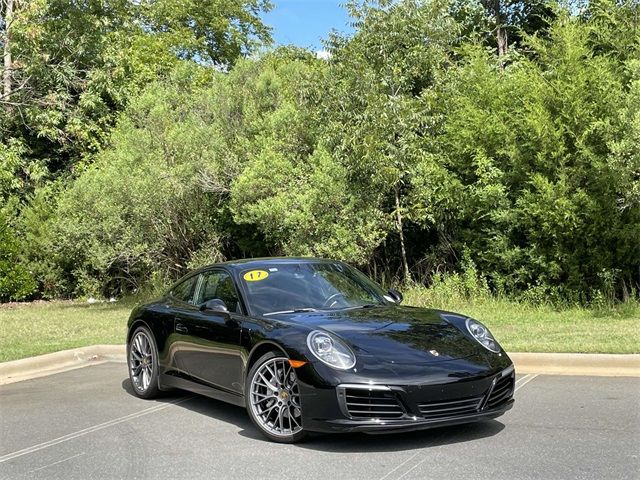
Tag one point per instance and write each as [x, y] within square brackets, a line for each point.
[359, 407]
[405, 424]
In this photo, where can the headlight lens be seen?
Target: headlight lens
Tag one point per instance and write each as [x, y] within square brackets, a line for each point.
[330, 350]
[482, 335]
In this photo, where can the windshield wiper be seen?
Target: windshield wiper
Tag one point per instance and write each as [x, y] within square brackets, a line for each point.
[295, 310]
[366, 305]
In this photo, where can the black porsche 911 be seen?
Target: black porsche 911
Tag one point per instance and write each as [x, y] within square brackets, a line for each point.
[313, 345]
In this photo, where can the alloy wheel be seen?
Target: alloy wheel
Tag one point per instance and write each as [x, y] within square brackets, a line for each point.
[275, 398]
[141, 361]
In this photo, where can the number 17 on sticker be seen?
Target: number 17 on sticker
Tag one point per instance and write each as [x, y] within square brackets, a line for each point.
[255, 275]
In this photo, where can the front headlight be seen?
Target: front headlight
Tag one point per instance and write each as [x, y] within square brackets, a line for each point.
[482, 335]
[330, 350]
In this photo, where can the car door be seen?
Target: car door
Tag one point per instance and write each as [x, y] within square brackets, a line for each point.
[211, 349]
[178, 303]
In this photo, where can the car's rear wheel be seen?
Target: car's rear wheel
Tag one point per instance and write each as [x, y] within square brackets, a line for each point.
[142, 358]
[273, 399]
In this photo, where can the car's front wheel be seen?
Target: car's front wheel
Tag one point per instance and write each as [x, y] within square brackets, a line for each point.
[273, 399]
[142, 359]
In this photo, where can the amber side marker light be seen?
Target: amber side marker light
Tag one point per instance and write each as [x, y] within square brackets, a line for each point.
[297, 363]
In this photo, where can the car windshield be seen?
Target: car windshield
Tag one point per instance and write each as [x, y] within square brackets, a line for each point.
[307, 286]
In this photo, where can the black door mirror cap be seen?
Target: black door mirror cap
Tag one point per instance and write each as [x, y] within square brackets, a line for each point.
[396, 295]
[214, 305]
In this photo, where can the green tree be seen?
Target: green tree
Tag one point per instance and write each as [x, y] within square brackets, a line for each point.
[533, 147]
[139, 208]
[376, 122]
[75, 65]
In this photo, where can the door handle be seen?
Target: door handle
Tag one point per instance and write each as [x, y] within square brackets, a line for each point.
[181, 328]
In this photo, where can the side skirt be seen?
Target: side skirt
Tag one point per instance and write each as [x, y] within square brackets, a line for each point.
[172, 381]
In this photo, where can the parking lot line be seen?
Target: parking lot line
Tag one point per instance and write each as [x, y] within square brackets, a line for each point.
[94, 428]
[523, 381]
[400, 465]
[412, 468]
[57, 463]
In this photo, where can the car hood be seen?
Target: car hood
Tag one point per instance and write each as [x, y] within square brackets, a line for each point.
[395, 334]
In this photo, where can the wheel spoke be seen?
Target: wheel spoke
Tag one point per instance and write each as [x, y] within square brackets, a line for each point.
[266, 412]
[136, 344]
[257, 384]
[280, 411]
[274, 374]
[262, 397]
[292, 417]
[267, 383]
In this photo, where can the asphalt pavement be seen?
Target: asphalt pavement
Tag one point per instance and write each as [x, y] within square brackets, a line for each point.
[86, 424]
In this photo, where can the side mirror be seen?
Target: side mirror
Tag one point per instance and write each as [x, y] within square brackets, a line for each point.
[214, 305]
[396, 295]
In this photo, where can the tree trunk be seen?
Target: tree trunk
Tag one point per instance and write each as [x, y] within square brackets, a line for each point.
[8, 63]
[501, 33]
[403, 251]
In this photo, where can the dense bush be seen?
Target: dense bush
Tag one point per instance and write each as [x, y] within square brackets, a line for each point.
[546, 195]
[16, 282]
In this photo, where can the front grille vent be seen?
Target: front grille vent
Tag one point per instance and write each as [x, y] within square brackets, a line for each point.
[502, 391]
[450, 408]
[364, 403]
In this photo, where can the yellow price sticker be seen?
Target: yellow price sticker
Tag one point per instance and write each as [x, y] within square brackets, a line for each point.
[255, 275]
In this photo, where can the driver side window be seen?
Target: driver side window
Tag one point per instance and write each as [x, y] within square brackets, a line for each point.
[184, 291]
[218, 284]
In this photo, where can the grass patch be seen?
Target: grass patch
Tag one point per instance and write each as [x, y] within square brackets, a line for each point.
[44, 327]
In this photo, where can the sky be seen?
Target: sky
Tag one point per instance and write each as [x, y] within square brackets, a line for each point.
[305, 23]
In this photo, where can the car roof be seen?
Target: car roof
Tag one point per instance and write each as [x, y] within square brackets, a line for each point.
[244, 263]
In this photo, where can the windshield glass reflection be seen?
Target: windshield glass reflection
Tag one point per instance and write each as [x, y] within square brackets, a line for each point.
[307, 286]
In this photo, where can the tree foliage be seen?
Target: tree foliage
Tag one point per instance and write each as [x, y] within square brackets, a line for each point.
[414, 150]
[76, 65]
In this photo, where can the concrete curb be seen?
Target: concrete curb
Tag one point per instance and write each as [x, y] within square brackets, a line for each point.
[57, 362]
[588, 364]
[606, 365]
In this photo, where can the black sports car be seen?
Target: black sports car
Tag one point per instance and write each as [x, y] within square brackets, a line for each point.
[312, 345]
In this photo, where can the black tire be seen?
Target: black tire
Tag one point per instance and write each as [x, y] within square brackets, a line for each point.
[273, 358]
[142, 358]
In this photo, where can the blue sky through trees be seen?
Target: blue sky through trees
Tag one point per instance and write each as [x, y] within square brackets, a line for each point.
[305, 23]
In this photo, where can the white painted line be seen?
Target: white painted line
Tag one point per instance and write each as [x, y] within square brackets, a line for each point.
[400, 465]
[85, 431]
[412, 468]
[56, 463]
[525, 380]
[522, 378]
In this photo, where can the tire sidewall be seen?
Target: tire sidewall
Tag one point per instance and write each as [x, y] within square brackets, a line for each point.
[293, 438]
[152, 390]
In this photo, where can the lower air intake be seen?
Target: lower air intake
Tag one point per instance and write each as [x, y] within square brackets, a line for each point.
[364, 403]
[450, 408]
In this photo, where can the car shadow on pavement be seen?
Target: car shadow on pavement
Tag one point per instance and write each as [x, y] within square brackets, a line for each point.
[393, 442]
[209, 407]
[334, 443]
